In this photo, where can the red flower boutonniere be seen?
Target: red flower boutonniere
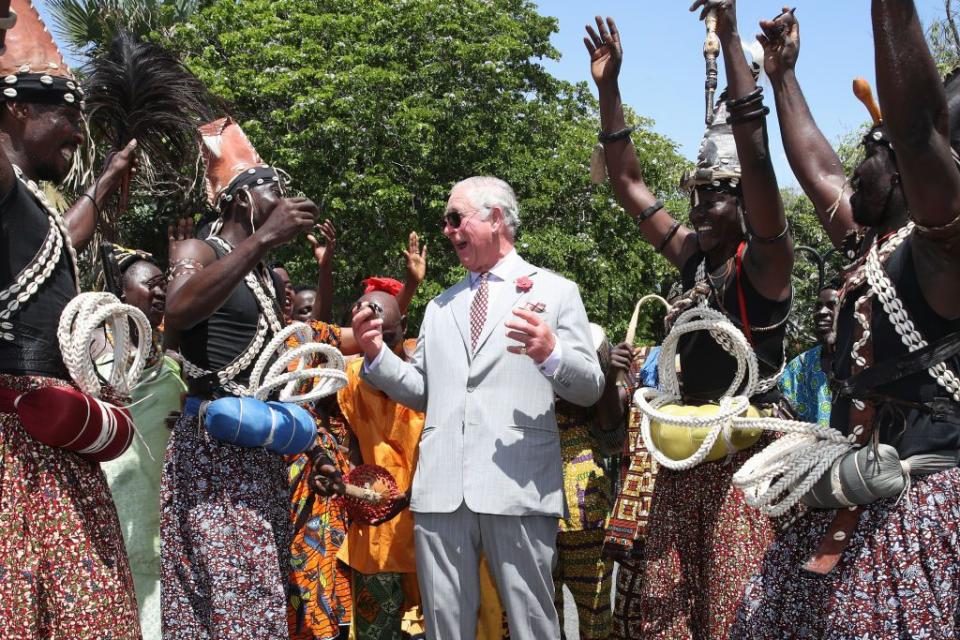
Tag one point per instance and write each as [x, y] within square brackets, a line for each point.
[523, 283]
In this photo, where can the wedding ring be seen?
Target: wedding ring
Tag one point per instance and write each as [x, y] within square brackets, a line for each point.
[523, 350]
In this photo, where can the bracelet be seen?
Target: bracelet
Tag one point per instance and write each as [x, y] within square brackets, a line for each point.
[616, 135]
[183, 267]
[780, 236]
[944, 229]
[92, 200]
[756, 94]
[667, 238]
[741, 118]
[647, 213]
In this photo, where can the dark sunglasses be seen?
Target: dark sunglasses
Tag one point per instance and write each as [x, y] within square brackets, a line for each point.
[454, 219]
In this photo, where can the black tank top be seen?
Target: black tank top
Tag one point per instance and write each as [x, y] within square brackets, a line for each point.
[218, 340]
[706, 369]
[23, 227]
[909, 430]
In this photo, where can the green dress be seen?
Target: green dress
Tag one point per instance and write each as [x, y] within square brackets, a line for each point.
[134, 480]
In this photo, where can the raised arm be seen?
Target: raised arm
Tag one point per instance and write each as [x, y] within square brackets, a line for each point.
[82, 217]
[201, 283]
[813, 160]
[915, 113]
[769, 258]
[416, 270]
[676, 243]
[323, 254]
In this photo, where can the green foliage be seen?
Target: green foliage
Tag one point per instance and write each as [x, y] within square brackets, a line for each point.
[807, 232]
[86, 25]
[376, 109]
[944, 40]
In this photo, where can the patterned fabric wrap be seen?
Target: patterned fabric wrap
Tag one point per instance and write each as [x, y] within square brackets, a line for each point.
[378, 605]
[805, 385]
[703, 543]
[319, 586]
[225, 539]
[581, 566]
[627, 612]
[63, 568]
[627, 526]
[588, 490]
[898, 578]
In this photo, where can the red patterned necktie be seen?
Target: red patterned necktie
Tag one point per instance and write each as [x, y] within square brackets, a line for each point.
[478, 310]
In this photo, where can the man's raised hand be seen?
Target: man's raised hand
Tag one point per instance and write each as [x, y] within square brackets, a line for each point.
[416, 258]
[368, 330]
[289, 218]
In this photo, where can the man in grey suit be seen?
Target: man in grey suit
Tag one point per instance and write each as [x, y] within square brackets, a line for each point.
[492, 352]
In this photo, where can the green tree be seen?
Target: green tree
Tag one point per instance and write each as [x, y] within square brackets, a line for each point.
[376, 109]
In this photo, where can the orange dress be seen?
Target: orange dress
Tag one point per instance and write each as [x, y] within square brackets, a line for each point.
[388, 434]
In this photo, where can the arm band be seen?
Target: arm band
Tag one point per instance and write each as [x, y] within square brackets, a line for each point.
[616, 135]
[667, 238]
[647, 213]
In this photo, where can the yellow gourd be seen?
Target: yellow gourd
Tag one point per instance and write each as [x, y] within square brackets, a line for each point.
[679, 443]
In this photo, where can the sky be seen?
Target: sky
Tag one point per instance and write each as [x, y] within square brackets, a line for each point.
[662, 74]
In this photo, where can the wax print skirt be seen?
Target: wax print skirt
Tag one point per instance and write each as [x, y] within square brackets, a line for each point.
[225, 539]
[703, 543]
[63, 567]
[898, 578]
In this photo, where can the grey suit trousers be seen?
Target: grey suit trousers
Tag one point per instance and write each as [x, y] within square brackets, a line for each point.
[521, 552]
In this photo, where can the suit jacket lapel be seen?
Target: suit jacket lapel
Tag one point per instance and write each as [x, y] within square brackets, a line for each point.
[505, 300]
[460, 308]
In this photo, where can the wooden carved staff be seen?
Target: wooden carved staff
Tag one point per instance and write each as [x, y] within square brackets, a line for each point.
[711, 49]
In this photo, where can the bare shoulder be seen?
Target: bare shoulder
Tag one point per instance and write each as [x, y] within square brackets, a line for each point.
[193, 249]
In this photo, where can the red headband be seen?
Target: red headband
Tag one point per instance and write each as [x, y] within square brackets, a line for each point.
[387, 285]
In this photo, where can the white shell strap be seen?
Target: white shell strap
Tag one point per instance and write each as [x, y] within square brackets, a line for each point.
[28, 282]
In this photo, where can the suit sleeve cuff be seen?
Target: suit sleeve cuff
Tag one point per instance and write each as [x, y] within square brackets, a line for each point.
[549, 366]
[369, 366]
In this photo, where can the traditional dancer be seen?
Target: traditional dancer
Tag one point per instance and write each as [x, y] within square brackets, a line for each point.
[63, 568]
[885, 561]
[134, 477]
[225, 523]
[703, 539]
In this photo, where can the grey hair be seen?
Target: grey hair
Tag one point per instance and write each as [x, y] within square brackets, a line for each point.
[487, 192]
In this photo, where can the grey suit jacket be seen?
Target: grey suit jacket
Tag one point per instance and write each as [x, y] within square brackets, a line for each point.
[490, 437]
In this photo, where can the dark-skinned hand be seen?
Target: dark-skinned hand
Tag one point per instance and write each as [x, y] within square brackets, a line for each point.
[621, 357]
[289, 218]
[726, 13]
[781, 42]
[606, 52]
[118, 165]
[416, 258]
[323, 252]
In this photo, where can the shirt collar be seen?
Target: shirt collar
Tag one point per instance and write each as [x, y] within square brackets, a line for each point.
[501, 270]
